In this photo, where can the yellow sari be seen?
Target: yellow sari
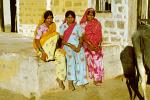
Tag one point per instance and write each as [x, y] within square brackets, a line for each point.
[48, 42]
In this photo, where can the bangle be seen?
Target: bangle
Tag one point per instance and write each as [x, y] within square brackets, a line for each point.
[68, 44]
[41, 49]
[80, 44]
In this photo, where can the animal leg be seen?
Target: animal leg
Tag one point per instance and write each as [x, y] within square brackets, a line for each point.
[129, 88]
[143, 76]
[134, 85]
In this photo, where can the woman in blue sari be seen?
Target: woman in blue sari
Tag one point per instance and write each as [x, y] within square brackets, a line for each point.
[71, 34]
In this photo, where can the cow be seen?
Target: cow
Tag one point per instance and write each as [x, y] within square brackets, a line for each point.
[141, 45]
[141, 48]
[129, 64]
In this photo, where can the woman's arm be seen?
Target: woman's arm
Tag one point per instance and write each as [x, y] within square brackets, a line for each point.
[44, 55]
[63, 42]
[80, 44]
[68, 44]
[38, 45]
[90, 45]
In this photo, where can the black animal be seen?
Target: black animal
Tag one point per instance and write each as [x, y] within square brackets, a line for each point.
[141, 44]
[129, 64]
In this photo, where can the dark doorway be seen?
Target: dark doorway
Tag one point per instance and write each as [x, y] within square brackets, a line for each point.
[149, 10]
[13, 15]
[1, 16]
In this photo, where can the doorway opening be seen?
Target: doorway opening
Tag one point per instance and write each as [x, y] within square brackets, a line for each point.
[13, 15]
[1, 17]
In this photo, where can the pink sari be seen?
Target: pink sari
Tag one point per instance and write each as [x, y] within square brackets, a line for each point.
[68, 32]
[93, 33]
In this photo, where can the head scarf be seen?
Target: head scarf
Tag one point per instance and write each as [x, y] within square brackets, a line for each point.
[68, 31]
[41, 21]
[84, 18]
[93, 29]
[51, 32]
[52, 26]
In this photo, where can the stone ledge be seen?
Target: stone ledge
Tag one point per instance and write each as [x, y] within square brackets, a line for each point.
[28, 76]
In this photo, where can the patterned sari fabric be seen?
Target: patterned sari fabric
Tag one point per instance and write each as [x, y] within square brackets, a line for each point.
[68, 32]
[76, 62]
[48, 40]
[93, 33]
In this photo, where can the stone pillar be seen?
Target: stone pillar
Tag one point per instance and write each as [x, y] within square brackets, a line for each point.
[13, 15]
[7, 15]
[1, 15]
[89, 3]
[132, 19]
[17, 15]
[48, 5]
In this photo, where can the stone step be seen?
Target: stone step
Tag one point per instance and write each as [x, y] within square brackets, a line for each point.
[21, 71]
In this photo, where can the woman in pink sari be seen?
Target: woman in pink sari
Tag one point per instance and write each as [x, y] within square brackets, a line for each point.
[92, 44]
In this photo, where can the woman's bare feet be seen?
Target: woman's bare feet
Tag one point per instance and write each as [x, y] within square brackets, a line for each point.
[97, 83]
[70, 85]
[61, 84]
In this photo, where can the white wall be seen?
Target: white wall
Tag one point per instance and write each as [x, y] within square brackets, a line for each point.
[7, 15]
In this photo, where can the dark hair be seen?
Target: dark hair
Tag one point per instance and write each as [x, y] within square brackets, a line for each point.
[69, 12]
[48, 13]
[91, 12]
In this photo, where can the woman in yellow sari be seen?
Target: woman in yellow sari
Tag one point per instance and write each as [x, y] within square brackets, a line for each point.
[45, 43]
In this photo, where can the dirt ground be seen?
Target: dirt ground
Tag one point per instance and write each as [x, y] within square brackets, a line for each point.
[113, 89]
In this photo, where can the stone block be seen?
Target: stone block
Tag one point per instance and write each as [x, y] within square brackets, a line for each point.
[121, 24]
[118, 1]
[115, 39]
[105, 39]
[113, 33]
[109, 24]
[68, 4]
[77, 4]
[122, 34]
[105, 32]
[55, 2]
[121, 9]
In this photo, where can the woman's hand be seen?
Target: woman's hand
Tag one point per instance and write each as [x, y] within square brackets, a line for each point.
[64, 42]
[80, 44]
[73, 47]
[85, 38]
[44, 56]
[77, 49]
[92, 47]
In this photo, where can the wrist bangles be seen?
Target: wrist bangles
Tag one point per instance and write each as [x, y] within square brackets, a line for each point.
[41, 49]
[68, 44]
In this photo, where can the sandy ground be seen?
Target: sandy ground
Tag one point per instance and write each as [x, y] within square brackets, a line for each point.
[113, 89]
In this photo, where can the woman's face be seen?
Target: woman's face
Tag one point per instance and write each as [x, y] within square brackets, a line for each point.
[49, 20]
[70, 19]
[90, 16]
